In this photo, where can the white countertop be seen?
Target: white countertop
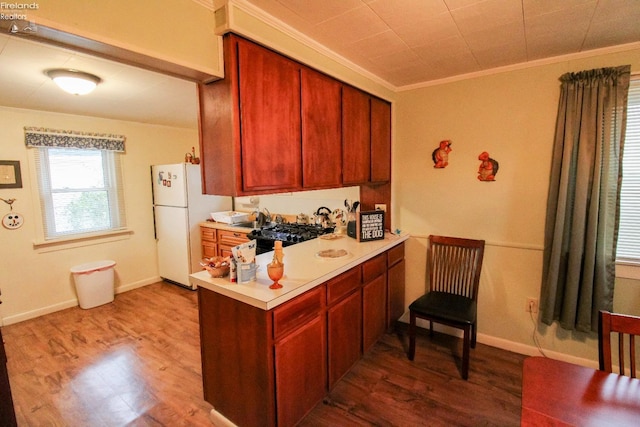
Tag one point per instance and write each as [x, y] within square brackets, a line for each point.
[303, 270]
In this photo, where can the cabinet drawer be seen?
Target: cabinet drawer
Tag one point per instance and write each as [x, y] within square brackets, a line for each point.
[296, 312]
[208, 234]
[374, 267]
[231, 238]
[342, 285]
[395, 255]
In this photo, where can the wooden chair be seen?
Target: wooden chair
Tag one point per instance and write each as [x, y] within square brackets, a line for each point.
[622, 324]
[454, 266]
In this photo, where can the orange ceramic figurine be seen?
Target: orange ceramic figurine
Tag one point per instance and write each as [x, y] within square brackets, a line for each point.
[488, 167]
[440, 155]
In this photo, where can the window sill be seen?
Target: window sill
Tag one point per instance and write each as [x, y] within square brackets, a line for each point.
[81, 240]
[628, 270]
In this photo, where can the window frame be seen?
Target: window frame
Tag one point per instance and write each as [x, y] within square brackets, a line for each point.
[629, 268]
[42, 192]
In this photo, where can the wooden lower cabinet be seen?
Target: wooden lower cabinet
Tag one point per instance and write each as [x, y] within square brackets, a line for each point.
[300, 370]
[374, 300]
[209, 242]
[374, 311]
[218, 242]
[395, 284]
[237, 359]
[268, 368]
[344, 336]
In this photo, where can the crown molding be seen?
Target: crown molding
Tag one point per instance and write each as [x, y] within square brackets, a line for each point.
[525, 65]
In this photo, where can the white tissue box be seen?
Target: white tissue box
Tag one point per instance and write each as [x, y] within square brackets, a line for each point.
[230, 217]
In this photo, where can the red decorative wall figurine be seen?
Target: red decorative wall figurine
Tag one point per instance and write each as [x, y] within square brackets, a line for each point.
[488, 167]
[440, 155]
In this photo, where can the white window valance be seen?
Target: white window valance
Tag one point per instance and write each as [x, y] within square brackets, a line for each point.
[43, 137]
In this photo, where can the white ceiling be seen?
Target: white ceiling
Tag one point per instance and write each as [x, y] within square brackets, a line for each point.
[409, 42]
[404, 43]
[125, 93]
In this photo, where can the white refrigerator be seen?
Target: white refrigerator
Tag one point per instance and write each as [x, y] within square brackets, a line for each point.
[179, 206]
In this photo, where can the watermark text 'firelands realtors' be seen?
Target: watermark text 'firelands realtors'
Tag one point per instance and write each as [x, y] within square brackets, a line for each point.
[16, 11]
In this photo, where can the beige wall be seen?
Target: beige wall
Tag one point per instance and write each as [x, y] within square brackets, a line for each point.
[37, 281]
[512, 116]
[178, 31]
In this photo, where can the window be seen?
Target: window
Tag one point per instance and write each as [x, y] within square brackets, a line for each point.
[80, 185]
[628, 249]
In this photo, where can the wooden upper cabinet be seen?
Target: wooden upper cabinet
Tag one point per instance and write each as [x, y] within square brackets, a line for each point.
[380, 141]
[274, 125]
[250, 124]
[321, 130]
[270, 119]
[356, 136]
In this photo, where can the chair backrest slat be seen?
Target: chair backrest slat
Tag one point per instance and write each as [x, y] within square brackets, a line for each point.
[454, 265]
[621, 324]
[632, 349]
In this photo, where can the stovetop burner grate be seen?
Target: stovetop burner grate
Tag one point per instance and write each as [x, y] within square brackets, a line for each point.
[288, 233]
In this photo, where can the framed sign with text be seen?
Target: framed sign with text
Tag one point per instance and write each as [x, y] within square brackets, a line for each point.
[370, 226]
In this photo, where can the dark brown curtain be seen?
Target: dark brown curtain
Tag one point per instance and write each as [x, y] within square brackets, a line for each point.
[583, 202]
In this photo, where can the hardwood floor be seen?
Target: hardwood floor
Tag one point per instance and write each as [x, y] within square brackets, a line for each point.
[136, 362]
[386, 389]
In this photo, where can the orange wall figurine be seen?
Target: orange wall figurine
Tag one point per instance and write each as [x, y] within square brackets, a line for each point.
[488, 167]
[440, 155]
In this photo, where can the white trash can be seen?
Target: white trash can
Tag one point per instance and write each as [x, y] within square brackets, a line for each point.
[94, 283]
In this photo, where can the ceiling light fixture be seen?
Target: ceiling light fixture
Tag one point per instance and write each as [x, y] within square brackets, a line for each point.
[74, 81]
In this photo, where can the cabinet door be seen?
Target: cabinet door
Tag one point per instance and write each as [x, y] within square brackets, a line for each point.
[356, 136]
[344, 332]
[209, 249]
[208, 239]
[374, 311]
[270, 119]
[380, 141]
[321, 131]
[395, 287]
[300, 371]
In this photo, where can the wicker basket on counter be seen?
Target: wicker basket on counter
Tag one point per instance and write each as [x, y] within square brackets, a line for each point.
[216, 266]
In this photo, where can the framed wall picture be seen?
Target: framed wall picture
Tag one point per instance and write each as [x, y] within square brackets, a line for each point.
[10, 176]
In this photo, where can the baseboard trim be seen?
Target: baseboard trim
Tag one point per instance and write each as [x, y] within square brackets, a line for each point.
[512, 346]
[32, 314]
[220, 420]
[21, 317]
[131, 286]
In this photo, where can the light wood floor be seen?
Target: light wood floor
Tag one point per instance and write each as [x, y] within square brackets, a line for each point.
[136, 362]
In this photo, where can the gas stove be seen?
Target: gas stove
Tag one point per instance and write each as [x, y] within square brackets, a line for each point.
[289, 234]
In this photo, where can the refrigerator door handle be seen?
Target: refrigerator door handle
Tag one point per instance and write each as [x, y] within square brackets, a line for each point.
[155, 226]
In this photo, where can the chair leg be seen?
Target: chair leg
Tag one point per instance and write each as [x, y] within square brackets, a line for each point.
[430, 328]
[474, 328]
[412, 335]
[465, 352]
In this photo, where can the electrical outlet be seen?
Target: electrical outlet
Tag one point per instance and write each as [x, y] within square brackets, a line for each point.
[532, 305]
[380, 207]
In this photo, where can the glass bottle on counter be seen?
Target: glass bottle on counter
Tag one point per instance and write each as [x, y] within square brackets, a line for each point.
[275, 269]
